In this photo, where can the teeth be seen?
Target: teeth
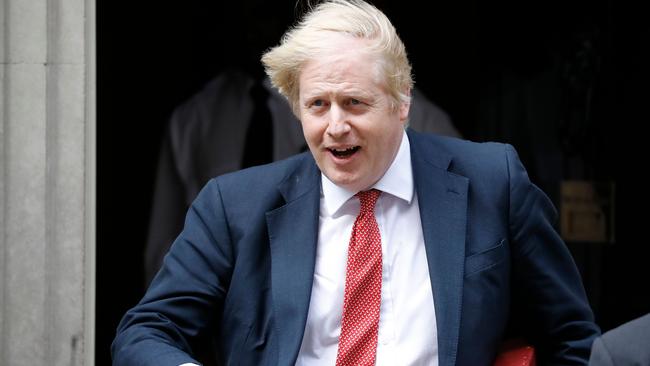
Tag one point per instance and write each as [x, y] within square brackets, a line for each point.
[344, 150]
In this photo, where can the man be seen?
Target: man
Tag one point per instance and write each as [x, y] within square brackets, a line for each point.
[381, 247]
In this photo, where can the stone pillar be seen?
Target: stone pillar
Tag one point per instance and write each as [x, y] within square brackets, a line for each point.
[47, 144]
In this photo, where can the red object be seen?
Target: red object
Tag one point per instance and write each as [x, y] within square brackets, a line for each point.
[360, 323]
[515, 353]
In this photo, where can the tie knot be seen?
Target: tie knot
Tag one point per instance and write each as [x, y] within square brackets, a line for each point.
[368, 200]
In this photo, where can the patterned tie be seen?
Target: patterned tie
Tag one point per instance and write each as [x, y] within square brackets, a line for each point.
[360, 323]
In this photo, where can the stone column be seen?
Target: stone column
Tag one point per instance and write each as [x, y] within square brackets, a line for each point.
[47, 158]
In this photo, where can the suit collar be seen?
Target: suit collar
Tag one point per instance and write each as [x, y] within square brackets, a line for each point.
[300, 180]
[429, 151]
[442, 197]
[293, 235]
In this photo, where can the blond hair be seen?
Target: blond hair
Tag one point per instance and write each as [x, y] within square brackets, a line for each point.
[355, 18]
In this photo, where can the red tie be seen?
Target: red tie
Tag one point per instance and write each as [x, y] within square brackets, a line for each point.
[360, 323]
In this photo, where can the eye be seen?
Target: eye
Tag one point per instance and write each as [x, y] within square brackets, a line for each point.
[354, 101]
[318, 103]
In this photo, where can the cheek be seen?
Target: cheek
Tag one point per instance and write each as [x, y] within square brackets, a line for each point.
[312, 132]
[388, 138]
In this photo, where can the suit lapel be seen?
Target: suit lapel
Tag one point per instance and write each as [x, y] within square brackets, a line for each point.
[442, 197]
[293, 235]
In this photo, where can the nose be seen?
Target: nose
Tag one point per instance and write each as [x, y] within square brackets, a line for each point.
[338, 124]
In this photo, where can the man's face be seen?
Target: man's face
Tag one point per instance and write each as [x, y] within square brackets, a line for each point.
[346, 114]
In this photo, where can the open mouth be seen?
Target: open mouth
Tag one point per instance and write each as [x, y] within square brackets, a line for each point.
[344, 153]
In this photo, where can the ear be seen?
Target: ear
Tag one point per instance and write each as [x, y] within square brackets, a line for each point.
[404, 109]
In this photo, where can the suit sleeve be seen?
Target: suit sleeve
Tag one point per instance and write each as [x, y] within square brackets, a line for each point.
[187, 293]
[600, 356]
[548, 295]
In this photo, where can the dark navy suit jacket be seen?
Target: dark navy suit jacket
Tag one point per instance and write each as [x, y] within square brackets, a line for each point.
[244, 263]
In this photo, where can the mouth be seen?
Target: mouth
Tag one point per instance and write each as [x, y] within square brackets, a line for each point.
[344, 152]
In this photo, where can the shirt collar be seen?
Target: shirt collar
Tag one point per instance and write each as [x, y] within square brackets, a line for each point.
[397, 181]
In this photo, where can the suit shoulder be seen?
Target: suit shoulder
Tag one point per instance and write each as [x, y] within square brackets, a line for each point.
[260, 189]
[464, 155]
[462, 146]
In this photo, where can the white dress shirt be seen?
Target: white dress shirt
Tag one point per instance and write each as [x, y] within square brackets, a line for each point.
[407, 322]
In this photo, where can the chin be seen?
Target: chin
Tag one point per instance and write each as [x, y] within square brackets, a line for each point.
[353, 181]
[343, 180]
[353, 185]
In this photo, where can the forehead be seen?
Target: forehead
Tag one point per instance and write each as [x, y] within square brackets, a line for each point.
[342, 61]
